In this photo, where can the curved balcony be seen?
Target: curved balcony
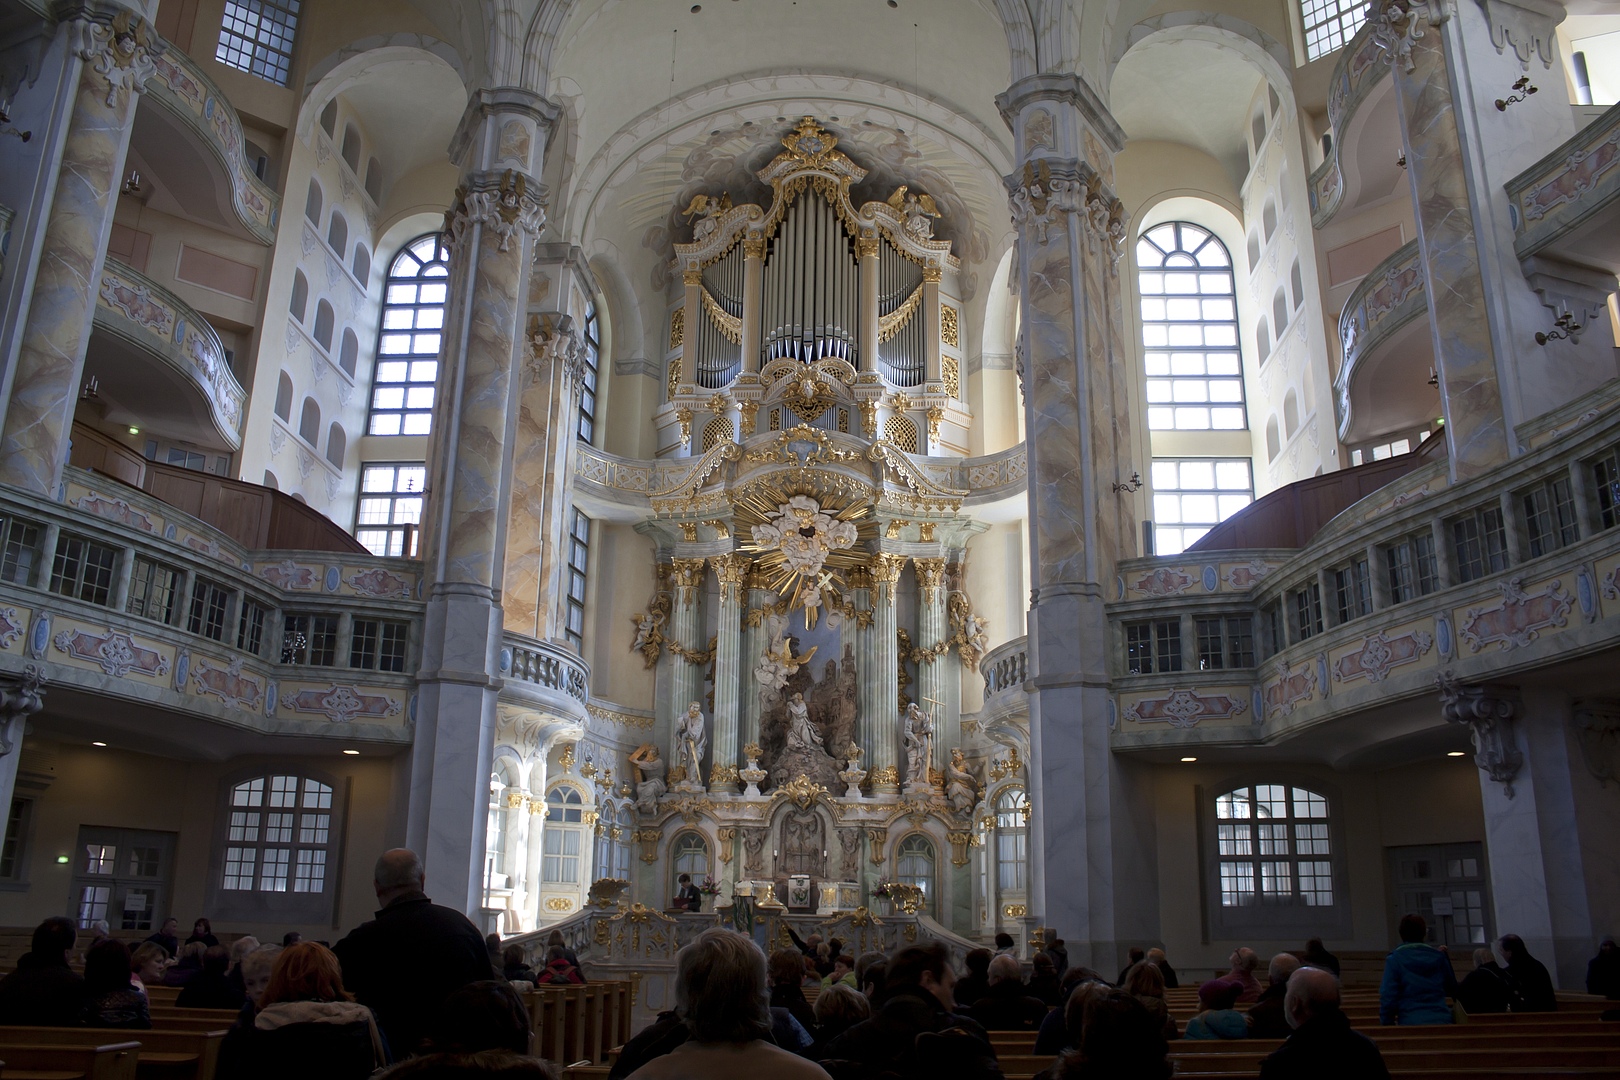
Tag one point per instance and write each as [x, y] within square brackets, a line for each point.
[1382, 384]
[1366, 136]
[1566, 213]
[194, 145]
[544, 676]
[183, 626]
[1364, 676]
[1005, 667]
[191, 393]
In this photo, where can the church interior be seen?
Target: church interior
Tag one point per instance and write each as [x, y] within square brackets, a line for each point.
[1133, 472]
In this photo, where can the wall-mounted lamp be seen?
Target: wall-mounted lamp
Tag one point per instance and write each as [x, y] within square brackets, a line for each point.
[1567, 328]
[5, 124]
[133, 184]
[1434, 378]
[91, 390]
[1523, 90]
[1135, 484]
[1401, 161]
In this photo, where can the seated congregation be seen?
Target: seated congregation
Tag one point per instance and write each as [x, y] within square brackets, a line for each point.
[418, 991]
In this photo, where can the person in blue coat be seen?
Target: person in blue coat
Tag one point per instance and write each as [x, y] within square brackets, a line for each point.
[1417, 979]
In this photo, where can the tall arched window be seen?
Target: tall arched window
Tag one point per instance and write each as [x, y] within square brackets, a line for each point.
[313, 203]
[1274, 847]
[300, 296]
[309, 422]
[1189, 330]
[337, 233]
[325, 320]
[337, 444]
[349, 354]
[1012, 840]
[279, 836]
[408, 344]
[565, 833]
[374, 180]
[351, 147]
[361, 264]
[691, 856]
[914, 865]
[623, 826]
[284, 396]
[591, 353]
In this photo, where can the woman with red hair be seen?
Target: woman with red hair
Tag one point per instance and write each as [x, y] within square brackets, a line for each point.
[306, 1025]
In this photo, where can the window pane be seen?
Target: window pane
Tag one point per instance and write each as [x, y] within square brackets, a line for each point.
[1196, 492]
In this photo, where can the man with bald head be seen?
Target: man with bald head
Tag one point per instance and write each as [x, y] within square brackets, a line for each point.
[1268, 1019]
[1323, 1045]
[406, 961]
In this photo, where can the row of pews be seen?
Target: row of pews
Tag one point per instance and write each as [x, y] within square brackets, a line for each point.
[1572, 1042]
[576, 1026]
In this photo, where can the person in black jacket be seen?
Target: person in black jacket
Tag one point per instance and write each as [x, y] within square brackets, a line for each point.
[1603, 971]
[203, 931]
[515, 967]
[1323, 1045]
[976, 983]
[44, 991]
[210, 988]
[785, 972]
[1532, 986]
[1317, 956]
[168, 936]
[688, 896]
[915, 1033]
[1008, 1007]
[412, 956]
[1487, 988]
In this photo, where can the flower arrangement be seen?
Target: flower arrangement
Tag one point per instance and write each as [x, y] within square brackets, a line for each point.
[710, 887]
[883, 887]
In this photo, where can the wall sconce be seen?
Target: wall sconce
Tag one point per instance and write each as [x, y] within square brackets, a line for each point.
[1434, 378]
[1135, 484]
[1567, 328]
[1401, 161]
[5, 124]
[92, 389]
[133, 185]
[1524, 90]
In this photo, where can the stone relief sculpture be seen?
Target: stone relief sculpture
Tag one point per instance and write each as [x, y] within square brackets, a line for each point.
[919, 731]
[803, 717]
[804, 843]
[649, 771]
[849, 866]
[801, 734]
[754, 852]
[693, 739]
[961, 786]
[650, 629]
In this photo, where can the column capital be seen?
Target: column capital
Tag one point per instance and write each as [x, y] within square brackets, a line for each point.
[504, 127]
[732, 569]
[501, 202]
[1063, 89]
[553, 342]
[21, 696]
[1488, 710]
[118, 44]
[1597, 732]
[930, 576]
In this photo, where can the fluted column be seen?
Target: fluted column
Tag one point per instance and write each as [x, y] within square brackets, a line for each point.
[535, 840]
[21, 696]
[491, 229]
[685, 636]
[520, 872]
[867, 250]
[753, 647]
[932, 633]
[109, 59]
[753, 299]
[930, 315]
[883, 708]
[732, 570]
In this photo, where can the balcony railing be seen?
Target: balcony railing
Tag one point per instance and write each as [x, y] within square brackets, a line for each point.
[117, 594]
[1006, 667]
[1514, 570]
[144, 313]
[1361, 65]
[545, 674]
[1566, 206]
[1390, 296]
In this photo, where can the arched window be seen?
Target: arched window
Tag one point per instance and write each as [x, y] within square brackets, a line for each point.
[351, 147]
[1254, 249]
[1273, 438]
[623, 826]
[914, 865]
[336, 444]
[270, 480]
[1279, 311]
[408, 344]
[1274, 847]
[1012, 840]
[324, 321]
[565, 829]
[300, 296]
[313, 203]
[690, 856]
[1290, 412]
[1329, 24]
[279, 836]
[309, 422]
[337, 233]
[1296, 285]
[1257, 128]
[1262, 339]
[349, 354]
[284, 394]
[497, 835]
[329, 118]
[1268, 219]
[361, 264]
[374, 180]
[590, 352]
[1189, 330]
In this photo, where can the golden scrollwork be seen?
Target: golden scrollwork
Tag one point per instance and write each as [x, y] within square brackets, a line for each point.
[933, 273]
[876, 838]
[866, 247]
[910, 932]
[603, 934]
[566, 760]
[677, 334]
[730, 326]
[515, 799]
[748, 412]
[951, 373]
[1000, 768]
[754, 247]
[560, 903]
[949, 334]
[683, 417]
[908, 898]
[895, 321]
[930, 575]
[935, 416]
[724, 774]
[1014, 911]
[869, 412]
[726, 836]
[885, 774]
[960, 842]
[691, 277]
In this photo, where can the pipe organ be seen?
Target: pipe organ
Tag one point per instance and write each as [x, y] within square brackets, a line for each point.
[833, 308]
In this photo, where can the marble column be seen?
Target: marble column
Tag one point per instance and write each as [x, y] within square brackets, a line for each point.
[882, 709]
[931, 316]
[1090, 872]
[753, 647]
[685, 636]
[732, 570]
[1549, 837]
[113, 57]
[753, 301]
[21, 696]
[521, 874]
[491, 227]
[535, 841]
[866, 248]
[932, 632]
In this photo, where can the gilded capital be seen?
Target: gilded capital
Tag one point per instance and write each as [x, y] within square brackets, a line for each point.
[754, 248]
[692, 277]
[866, 248]
[930, 576]
[933, 273]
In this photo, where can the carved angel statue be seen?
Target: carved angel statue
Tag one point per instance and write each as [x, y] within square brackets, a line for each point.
[778, 664]
[961, 786]
[919, 731]
[649, 770]
[708, 211]
[917, 210]
[694, 741]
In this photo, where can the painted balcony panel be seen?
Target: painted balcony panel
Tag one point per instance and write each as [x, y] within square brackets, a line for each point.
[1359, 143]
[173, 614]
[192, 112]
[1566, 208]
[1545, 606]
[1382, 384]
[141, 319]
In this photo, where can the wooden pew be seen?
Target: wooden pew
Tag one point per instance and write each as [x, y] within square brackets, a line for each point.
[164, 1055]
[107, 1061]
